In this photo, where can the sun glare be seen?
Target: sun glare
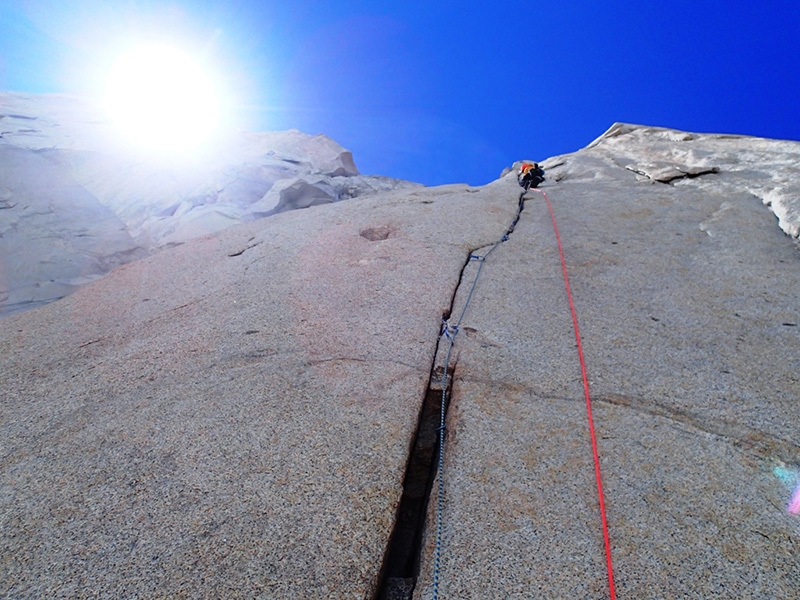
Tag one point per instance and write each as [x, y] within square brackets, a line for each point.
[162, 100]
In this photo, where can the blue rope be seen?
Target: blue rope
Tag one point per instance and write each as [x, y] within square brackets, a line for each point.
[450, 332]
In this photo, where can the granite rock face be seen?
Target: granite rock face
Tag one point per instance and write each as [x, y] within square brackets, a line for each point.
[231, 417]
[686, 294]
[235, 416]
[241, 177]
[54, 235]
[767, 169]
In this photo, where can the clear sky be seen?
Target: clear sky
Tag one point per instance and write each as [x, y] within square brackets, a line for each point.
[443, 92]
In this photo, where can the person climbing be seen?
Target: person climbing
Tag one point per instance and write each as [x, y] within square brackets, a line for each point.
[530, 175]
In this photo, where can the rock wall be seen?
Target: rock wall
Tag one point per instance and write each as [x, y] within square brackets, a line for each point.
[249, 414]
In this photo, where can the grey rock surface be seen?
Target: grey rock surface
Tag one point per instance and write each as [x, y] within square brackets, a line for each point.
[686, 296]
[232, 417]
[160, 201]
[54, 235]
[766, 169]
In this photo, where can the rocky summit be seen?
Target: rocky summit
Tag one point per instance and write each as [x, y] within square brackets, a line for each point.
[254, 413]
[77, 201]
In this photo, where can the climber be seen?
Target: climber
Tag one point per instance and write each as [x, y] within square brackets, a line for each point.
[530, 175]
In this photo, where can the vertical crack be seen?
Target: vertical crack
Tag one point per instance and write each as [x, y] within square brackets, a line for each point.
[401, 564]
[402, 559]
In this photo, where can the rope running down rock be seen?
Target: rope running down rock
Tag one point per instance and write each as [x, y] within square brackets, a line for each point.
[598, 478]
[449, 332]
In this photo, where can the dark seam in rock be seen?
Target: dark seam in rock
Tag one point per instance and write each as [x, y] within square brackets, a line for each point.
[90, 343]
[669, 180]
[753, 442]
[711, 171]
[401, 562]
[243, 250]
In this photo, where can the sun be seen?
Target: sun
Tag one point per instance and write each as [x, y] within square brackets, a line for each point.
[162, 100]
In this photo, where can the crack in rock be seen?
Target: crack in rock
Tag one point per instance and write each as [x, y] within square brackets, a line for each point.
[667, 173]
[754, 442]
[401, 566]
[401, 561]
[245, 249]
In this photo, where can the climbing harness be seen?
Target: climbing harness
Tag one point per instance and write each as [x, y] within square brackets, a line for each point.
[449, 333]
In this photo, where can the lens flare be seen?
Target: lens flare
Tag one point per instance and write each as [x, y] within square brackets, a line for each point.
[794, 503]
[791, 479]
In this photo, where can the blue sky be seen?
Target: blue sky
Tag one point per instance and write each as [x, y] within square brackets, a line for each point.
[442, 92]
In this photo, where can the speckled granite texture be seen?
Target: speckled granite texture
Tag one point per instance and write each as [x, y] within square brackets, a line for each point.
[231, 417]
[686, 294]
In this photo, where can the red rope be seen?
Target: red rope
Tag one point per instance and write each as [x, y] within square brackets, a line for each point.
[606, 539]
